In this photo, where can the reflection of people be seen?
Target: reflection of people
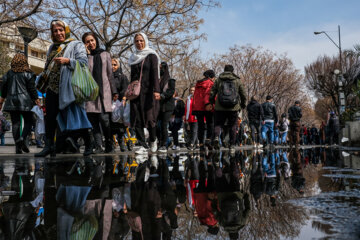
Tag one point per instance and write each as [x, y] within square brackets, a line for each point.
[297, 178]
[204, 195]
[270, 162]
[18, 89]
[145, 62]
[233, 202]
[256, 178]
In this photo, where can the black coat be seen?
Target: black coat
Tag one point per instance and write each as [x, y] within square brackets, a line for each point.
[19, 91]
[255, 111]
[179, 110]
[334, 124]
[269, 111]
[167, 102]
[121, 83]
[145, 109]
[295, 113]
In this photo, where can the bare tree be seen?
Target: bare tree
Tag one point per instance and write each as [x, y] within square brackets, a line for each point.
[167, 23]
[4, 59]
[264, 73]
[320, 77]
[18, 10]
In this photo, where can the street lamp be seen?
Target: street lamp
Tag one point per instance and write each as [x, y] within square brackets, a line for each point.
[28, 34]
[339, 73]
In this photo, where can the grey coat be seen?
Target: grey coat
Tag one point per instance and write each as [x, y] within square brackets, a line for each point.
[109, 87]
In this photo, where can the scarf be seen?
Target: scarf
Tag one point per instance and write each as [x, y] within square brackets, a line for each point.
[61, 45]
[20, 64]
[139, 55]
[97, 69]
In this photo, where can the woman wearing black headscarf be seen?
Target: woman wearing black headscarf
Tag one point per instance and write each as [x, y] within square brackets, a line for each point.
[144, 110]
[167, 104]
[99, 111]
[18, 89]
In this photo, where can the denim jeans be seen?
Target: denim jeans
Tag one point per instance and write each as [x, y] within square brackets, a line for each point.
[283, 137]
[265, 128]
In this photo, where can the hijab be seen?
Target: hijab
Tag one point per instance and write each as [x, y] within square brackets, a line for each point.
[20, 64]
[139, 55]
[67, 31]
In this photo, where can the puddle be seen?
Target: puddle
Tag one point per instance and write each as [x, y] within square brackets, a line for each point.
[306, 194]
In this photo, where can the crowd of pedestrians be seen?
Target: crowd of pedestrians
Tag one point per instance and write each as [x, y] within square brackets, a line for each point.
[210, 115]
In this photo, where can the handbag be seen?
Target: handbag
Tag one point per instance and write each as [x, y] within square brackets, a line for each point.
[43, 82]
[133, 90]
[83, 84]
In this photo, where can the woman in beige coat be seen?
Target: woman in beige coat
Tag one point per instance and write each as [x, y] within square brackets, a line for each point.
[99, 111]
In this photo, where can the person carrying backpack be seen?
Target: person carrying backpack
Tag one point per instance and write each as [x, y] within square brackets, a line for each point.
[230, 99]
[233, 206]
[283, 129]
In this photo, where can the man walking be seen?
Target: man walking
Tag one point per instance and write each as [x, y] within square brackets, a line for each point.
[270, 119]
[295, 115]
[255, 116]
[230, 100]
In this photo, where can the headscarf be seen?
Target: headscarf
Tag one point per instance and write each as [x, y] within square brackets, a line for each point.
[67, 31]
[20, 64]
[139, 55]
[164, 75]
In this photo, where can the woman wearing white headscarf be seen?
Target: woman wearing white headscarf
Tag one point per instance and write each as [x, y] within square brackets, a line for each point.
[144, 109]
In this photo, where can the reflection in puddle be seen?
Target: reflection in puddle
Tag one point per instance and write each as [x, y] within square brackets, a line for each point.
[298, 194]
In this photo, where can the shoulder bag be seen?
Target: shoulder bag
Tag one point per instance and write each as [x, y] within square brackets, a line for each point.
[133, 89]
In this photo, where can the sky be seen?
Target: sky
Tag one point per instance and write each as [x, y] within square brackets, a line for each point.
[282, 26]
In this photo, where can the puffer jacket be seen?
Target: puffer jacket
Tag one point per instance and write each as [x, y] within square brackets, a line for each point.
[269, 111]
[202, 94]
[19, 91]
[228, 76]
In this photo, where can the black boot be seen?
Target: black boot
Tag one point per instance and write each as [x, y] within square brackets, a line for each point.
[48, 149]
[109, 147]
[18, 148]
[88, 144]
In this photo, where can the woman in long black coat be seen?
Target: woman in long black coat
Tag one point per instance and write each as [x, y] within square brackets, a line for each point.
[18, 89]
[144, 109]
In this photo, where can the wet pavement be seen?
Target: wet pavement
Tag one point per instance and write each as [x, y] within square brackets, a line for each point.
[311, 193]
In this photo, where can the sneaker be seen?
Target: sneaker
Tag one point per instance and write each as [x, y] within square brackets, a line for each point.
[216, 143]
[190, 147]
[153, 146]
[259, 145]
[162, 149]
[141, 151]
[175, 148]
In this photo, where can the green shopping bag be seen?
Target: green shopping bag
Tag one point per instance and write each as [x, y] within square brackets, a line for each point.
[83, 84]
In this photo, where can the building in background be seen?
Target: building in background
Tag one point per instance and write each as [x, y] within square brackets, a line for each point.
[11, 39]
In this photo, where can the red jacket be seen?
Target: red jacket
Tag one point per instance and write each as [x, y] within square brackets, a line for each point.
[202, 94]
[188, 111]
[204, 209]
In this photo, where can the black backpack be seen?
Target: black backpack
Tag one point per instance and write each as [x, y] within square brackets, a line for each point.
[231, 211]
[228, 95]
[282, 126]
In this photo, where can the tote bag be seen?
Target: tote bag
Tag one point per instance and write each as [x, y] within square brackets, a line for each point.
[83, 84]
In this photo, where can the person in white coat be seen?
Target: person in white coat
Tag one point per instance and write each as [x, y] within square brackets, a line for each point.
[40, 124]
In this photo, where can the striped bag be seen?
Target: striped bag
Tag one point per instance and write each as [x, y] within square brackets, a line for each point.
[83, 84]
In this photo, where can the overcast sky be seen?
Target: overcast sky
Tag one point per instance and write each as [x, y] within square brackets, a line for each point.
[282, 26]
